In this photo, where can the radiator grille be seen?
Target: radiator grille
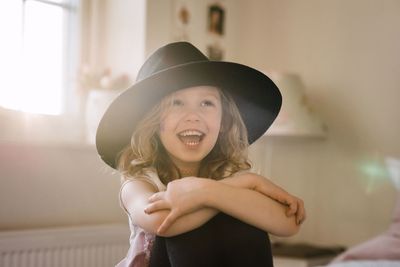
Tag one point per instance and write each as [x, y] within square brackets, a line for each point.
[85, 246]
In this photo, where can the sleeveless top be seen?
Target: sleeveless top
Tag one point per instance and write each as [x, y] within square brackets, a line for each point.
[141, 242]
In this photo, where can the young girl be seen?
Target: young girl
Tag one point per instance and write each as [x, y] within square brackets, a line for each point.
[179, 137]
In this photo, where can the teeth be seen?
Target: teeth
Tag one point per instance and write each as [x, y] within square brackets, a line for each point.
[191, 138]
[192, 143]
[191, 133]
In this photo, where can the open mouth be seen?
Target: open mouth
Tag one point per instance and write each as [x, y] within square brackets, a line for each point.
[191, 137]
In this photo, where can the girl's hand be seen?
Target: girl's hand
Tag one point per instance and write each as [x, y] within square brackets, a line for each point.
[182, 196]
[295, 206]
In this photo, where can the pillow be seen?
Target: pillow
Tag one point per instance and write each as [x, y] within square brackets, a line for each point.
[383, 247]
[367, 263]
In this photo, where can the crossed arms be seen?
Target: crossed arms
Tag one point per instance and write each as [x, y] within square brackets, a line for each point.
[190, 202]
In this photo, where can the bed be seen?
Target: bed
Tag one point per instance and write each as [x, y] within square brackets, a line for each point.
[366, 263]
[384, 249]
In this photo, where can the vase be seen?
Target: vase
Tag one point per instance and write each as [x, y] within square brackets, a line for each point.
[97, 103]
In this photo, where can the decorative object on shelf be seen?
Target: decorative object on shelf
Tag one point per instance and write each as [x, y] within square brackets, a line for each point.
[97, 102]
[99, 89]
[296, 118]
[90, 79]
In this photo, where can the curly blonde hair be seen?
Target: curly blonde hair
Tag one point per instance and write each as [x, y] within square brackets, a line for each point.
[146, 151]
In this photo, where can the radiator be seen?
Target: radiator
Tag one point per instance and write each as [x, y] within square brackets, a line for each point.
[87, 246]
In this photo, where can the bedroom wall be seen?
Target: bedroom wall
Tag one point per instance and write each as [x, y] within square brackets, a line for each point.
[346, 52]
[49, 185]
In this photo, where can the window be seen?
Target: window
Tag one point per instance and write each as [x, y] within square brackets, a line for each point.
[36, 54]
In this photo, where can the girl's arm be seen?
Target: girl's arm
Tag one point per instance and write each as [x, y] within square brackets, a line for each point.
[235, 197]
[135, 197]
[294, 205]
[251, 207]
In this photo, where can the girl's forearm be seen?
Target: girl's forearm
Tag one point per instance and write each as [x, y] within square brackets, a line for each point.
[152, 222]
[251, 207]
[190, 222]
[238, 196]
[253, 181]
[196, 219]
[243, 181]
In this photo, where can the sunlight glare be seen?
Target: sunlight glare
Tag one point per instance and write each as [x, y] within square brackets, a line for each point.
[36, 86]
[375, 172]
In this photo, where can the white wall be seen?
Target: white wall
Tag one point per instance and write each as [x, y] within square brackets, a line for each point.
[55, 185]
[125, 34]
[347, 55]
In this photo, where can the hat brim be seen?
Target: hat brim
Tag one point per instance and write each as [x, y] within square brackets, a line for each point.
[256, 96]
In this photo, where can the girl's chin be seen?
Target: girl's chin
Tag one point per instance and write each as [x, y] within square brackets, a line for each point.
[187, 159]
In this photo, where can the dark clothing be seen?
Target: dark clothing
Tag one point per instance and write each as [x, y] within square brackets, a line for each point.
[222, 241]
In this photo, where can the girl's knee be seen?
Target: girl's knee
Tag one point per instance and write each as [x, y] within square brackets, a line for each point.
[243, 245]
[194, 248]
[234, 232]
[222, 240]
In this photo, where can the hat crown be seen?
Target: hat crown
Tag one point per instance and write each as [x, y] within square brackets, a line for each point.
[169, 56]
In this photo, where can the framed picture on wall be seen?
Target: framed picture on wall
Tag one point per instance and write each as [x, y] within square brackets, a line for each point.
[216, 17]
[181, 20]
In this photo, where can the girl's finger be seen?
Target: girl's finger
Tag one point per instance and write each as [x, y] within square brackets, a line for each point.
[169, 220]
[301, 213]
[156, 206]
[292, 208]
[156, 196]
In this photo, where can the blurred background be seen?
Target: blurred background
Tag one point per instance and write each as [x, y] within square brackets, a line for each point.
[63, 61]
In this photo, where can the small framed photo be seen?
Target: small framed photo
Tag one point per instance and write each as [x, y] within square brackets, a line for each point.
[182, 19]
[216, 19]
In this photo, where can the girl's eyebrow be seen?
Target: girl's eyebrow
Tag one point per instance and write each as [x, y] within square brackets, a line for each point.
[212, 95]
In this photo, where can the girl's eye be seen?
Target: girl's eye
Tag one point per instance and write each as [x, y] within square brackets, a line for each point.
[177, 102]
[207, 103]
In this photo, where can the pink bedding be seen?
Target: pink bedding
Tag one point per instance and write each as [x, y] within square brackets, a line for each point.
[383, 247]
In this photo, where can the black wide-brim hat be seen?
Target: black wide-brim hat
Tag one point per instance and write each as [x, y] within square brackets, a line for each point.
[177, 66]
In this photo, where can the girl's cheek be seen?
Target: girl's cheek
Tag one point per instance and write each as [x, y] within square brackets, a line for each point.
[162, 126]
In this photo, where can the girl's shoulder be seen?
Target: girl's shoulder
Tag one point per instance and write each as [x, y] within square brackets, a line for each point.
[148, 175]
[241, 172]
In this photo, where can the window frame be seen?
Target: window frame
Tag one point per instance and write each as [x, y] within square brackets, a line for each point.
[69, 126]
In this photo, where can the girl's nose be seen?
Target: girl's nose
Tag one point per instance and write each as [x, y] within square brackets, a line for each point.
[192, 115]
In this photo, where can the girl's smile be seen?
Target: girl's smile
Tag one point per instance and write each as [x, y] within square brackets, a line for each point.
[191, 138]
[190, 124]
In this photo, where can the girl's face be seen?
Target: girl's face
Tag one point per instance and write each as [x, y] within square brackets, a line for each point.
[190, 126]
